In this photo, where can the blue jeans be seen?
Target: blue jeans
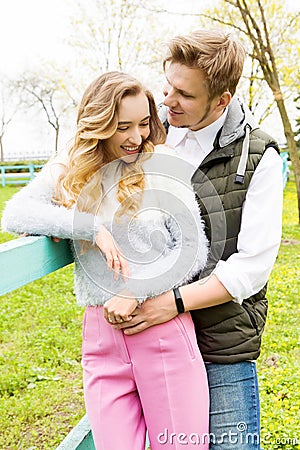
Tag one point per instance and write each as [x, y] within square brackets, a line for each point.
[234, 406]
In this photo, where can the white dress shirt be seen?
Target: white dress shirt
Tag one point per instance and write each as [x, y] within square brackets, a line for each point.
[246, 271]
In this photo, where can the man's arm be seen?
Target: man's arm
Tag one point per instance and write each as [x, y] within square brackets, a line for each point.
[246, 271]
[197, 295]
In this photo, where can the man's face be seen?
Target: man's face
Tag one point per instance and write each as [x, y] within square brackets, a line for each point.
[187, 98]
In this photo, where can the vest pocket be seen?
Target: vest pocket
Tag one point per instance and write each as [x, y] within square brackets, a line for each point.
[252, 318]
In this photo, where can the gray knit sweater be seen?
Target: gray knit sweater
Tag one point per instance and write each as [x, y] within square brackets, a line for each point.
[164, 244]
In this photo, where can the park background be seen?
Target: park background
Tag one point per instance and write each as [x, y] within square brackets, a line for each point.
[50, 51]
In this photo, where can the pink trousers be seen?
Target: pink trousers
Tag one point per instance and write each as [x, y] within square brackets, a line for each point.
[154, 380]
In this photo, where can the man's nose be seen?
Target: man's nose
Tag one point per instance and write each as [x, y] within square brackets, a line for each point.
[169, 99]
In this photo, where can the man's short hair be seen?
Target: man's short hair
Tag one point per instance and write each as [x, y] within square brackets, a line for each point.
[217, 54]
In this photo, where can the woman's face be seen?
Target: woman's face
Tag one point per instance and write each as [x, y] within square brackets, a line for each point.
[133, 128]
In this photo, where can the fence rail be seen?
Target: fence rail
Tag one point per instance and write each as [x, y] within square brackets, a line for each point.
[27, 259]
[12, 175]
[9, 177]
[22, 261]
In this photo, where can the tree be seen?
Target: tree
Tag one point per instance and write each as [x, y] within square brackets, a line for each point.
[8, 110]
[115, 35]
[268, 44]
[125, 35]
[297, 128]
[49, 93]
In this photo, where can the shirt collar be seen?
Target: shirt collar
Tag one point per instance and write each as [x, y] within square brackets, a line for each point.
[205, 137]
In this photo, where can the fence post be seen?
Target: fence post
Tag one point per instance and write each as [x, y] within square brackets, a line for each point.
[285, 167]
[3, 176]
[31, 171]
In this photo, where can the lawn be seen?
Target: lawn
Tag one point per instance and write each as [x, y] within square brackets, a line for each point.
[279, 363]
[40, 339]
[41, 397]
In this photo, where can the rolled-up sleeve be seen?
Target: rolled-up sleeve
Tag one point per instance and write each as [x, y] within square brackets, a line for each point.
[245, 272]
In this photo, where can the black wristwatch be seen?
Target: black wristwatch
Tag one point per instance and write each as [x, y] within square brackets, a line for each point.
[178, 301]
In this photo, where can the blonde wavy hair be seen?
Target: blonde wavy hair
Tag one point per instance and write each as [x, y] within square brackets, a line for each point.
[97, 120]
[216, 53]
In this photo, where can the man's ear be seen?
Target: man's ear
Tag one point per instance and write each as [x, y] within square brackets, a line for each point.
[224, 100]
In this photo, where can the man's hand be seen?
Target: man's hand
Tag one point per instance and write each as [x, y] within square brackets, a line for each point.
[152, 312]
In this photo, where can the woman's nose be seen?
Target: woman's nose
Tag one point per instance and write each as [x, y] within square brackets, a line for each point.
[135, 137]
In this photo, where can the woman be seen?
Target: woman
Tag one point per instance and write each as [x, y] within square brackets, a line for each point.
[116, 195]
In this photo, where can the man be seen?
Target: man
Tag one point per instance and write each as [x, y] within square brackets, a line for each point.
[238, 182]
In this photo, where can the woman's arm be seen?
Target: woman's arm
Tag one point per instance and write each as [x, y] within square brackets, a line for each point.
[32, 211]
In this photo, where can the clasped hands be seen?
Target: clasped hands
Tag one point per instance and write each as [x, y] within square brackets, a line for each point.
[123, 311]
[119, 308]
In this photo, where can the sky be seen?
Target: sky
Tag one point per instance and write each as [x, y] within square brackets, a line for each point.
[29, 29]
[35, 29]
[32, 30]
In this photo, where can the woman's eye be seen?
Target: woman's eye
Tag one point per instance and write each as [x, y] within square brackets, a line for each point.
[122, 128]
[145, 124]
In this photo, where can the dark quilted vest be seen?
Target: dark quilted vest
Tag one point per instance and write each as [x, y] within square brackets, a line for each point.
[230, 332]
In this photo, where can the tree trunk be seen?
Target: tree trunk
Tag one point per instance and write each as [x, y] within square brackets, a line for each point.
[1, 150]
[292, 147]
[56, 139]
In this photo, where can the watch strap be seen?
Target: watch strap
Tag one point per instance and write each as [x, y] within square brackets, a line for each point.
[178, 301]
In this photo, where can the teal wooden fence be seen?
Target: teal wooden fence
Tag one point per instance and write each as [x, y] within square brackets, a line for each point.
[285, 167]
[24, 260]
[28, 172]
[12, 175]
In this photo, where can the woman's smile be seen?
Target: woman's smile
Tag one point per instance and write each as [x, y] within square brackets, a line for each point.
[129, 150]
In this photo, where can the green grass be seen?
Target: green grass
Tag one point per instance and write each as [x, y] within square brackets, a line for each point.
[5, 194]
[279, 364]
[41, 397]
[40, 351]
[40, 385]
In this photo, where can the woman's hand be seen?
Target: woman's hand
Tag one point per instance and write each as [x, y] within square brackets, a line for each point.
[153, 311]
[119, 309]
[54, 239]
[114, 258]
